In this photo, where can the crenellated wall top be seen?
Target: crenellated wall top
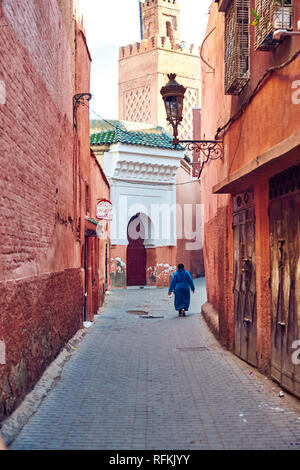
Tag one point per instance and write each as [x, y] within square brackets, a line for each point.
[149, 3]
[156, 42]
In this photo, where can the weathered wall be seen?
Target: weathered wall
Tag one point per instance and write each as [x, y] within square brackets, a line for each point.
[267, 121]
[93, 186]
[118, 262]
[189, 222]
[160, 265]
[39, 251]
[101, 190]
[36, 121]
[37, 318]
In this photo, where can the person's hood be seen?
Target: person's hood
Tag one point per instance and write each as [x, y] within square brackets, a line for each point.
[181, 271]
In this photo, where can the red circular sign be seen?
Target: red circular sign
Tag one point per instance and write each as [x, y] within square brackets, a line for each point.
[104, 210]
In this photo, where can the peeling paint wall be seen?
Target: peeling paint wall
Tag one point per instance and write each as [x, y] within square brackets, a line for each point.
[160, 265]
[118, 266]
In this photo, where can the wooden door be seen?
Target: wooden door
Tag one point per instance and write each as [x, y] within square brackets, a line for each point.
[136, 254]
[245, 318]
[95, 275]
[284, 214]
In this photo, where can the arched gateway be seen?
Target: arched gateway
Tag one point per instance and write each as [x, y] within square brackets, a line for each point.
[136, 252]
[139, 232]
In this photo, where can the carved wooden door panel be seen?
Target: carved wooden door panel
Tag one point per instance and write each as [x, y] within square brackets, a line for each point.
[245, 318]
[285, 277]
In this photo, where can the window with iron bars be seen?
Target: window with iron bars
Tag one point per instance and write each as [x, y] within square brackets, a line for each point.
[237, 46]
[272, 15]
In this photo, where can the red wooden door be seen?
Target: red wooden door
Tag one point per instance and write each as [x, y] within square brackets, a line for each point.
[136, 256]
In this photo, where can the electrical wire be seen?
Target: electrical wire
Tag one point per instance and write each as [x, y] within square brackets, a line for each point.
[201, 51]
[124, 131]
[238, 144]
[102, 119]
[266, 74]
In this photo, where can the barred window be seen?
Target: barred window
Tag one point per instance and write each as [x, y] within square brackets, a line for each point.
[237, 46]
[272, 15]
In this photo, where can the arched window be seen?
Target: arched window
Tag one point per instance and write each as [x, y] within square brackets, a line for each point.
[150, 30]
[169, 29]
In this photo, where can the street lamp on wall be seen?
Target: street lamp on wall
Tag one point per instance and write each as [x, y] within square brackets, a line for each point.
[173, 96]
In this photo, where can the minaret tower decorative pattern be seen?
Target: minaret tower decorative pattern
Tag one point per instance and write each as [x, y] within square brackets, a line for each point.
[144, 66]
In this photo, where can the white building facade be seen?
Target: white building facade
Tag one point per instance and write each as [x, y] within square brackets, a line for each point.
[141, 168]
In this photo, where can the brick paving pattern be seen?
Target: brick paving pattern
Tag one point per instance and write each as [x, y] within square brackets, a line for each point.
[159, 383]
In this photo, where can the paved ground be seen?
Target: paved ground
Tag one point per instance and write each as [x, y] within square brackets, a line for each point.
[159, 383]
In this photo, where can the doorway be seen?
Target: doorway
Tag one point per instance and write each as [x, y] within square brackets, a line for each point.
[136, 252]
[284, 210]
[245, 315]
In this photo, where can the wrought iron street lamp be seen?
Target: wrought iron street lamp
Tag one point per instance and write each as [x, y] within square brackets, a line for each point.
[173, 96]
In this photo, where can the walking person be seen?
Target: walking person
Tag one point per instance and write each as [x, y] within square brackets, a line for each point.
[181, 284]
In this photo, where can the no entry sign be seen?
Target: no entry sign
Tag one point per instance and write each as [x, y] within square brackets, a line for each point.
[104, 210]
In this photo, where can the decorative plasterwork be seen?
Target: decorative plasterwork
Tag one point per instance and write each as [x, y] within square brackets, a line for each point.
[137, 104]
[145, 172]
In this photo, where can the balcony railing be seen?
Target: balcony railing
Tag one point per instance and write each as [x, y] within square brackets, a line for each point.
[272, 15]
[237, 46]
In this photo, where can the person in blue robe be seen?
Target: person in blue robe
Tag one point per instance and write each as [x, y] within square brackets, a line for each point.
[181, 284]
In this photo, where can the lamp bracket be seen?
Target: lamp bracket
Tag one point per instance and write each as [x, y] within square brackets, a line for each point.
[206, 149]
[77, 100]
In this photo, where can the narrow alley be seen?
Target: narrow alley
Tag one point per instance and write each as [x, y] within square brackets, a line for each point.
[143, 378]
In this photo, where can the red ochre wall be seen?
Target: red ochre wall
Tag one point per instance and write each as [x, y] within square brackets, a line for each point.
[269, 119]
[40, 270]
[100, 190]
[161, 265]
[93, 186]
[118, 261]
[189, 222]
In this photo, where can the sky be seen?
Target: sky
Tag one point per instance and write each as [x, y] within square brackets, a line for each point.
[110, 24]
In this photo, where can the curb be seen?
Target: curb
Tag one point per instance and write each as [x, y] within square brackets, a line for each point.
[14, 424]
[211, 317]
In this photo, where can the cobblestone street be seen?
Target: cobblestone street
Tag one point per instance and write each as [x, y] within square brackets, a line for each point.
[160, 382]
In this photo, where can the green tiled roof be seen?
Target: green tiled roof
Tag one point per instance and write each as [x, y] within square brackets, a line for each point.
[102, 138]
[147, 138]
